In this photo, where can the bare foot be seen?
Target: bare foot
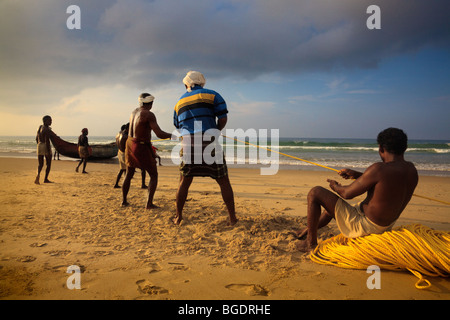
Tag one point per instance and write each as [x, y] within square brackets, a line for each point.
[232, 222]
[125, 204]
[37, 180]
[301, 234]
[304, 246]
[177, 220]
[152, 206]
[47, 181]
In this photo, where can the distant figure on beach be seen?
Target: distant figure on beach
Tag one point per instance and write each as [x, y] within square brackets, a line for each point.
[121, 140]
[56, 155]
[44, 149]
[389, 185]
[200, 106]
[138, 149]
[156, 155]
[83, 149]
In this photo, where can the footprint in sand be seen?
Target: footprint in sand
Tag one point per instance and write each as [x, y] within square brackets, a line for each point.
[103, 253]
[250, 289]
[26, 259]
[56, 253]
[180, 268]
[155, 267]
[146, 287]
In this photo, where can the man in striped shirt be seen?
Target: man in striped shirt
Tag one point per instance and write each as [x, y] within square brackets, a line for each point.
[194, 115]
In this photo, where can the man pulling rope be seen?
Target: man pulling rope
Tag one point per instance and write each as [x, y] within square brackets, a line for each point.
[389, 186]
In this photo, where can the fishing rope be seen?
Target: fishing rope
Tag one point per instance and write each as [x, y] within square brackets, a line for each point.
[417, 248]
[319, 165]
[283, 154]
[307, 161]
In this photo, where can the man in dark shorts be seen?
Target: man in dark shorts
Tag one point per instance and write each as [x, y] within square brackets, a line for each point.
[195, 114]
[138, 149]
[44, 149]
[389, 185]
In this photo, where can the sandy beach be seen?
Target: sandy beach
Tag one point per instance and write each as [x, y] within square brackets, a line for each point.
[134, 253]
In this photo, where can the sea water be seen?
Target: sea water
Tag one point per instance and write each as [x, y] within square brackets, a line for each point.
[431, 157]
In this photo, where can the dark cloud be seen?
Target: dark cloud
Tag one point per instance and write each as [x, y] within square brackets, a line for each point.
[148, 42]
[250, 38]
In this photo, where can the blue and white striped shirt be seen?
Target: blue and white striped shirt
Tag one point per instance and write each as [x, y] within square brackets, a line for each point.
[199, 105]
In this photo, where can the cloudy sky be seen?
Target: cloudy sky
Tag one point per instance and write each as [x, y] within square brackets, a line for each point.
[308, 68]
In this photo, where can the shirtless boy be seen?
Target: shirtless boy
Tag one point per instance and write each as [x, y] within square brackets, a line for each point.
[389, 185]
[138, 150]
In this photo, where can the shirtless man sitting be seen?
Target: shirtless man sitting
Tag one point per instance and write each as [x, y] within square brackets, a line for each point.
[389, 185]
[138, 149]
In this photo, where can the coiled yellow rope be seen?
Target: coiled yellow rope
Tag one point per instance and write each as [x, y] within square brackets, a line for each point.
[417, 248]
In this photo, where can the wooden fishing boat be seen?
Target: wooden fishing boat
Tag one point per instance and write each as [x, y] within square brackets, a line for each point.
[96, 151]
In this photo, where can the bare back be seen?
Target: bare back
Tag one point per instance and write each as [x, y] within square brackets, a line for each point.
[42, 135]
[142, 122]
[139, 125]
[121, 140]
[390, 188]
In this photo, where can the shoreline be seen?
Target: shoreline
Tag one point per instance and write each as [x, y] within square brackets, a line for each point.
[133, 253]
[168, 162]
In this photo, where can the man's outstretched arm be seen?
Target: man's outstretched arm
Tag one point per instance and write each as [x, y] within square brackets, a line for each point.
[361, 185]
[156, 129]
